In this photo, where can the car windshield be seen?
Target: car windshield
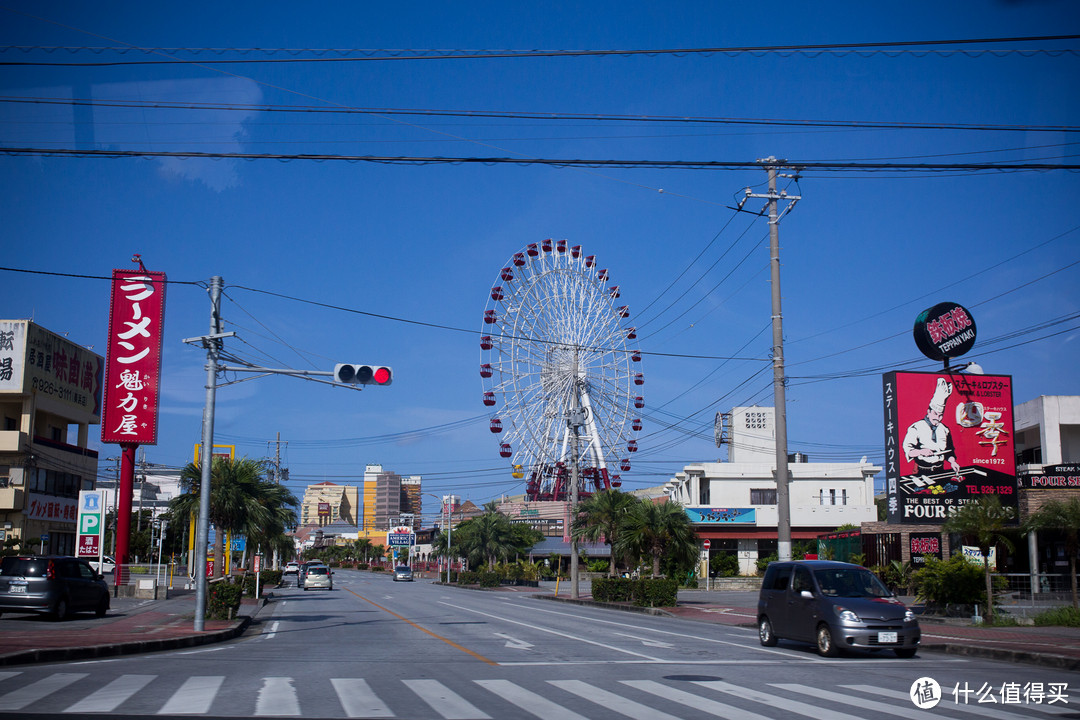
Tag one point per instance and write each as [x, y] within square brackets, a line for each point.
[850, 582]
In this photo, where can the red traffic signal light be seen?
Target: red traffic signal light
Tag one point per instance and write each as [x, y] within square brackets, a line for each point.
[363, 374]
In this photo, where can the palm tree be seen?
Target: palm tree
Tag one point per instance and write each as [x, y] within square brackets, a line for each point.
[985, 523]
[1063, 516]
[656, 530]
[242, 500]
[600, 517]
[363, 548]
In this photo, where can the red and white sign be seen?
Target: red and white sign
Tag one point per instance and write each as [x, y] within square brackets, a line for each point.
[51, 508]
[133, 367]
[706, 544]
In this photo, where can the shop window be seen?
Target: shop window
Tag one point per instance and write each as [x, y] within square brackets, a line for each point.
[763, 496]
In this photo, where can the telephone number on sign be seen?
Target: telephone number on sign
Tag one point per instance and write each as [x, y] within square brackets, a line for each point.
[989, 490]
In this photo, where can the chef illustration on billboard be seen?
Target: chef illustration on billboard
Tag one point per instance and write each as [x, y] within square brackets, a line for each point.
[928, 442]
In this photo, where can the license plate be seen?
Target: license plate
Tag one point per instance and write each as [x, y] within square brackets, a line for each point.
[16, 589]
[886, 637]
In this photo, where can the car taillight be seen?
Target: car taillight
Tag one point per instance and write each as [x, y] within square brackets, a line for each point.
[50, 570]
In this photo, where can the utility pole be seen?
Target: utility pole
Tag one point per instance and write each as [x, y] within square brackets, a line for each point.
[575, 419]
[783, 496]
[277, 479]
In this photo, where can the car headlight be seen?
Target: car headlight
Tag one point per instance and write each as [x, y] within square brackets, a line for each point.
[909, 616]
[847, 615]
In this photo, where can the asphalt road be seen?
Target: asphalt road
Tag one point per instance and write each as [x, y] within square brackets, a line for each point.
[373, 648]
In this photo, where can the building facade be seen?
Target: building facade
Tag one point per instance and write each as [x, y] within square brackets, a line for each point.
[50, 395]
[733, 504]
[326, 503]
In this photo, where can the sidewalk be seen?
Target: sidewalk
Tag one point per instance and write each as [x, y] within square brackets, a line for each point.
[131, 626]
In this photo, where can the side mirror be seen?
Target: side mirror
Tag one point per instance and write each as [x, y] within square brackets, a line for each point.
[807, 594]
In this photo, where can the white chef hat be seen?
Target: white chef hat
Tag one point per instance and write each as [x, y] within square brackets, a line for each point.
[941, 394]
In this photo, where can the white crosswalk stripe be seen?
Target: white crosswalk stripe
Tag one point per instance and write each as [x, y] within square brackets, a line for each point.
[529, 701]
[358, 700]
[112, 695]
[445, 701]
[277, 697]
[483, 699]
[194, 696]
[18, 699]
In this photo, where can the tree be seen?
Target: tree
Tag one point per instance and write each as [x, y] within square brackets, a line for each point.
[599, 518]
[487, 538]
[362, 548]
[984, 522]
[1063, 516]
[657, 530]
[242, 500]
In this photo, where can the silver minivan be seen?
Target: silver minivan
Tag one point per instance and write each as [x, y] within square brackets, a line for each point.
[834, 605]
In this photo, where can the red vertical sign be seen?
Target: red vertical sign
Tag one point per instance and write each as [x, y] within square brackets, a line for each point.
[133, 368]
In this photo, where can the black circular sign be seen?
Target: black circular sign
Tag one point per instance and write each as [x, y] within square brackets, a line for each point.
[946, 330]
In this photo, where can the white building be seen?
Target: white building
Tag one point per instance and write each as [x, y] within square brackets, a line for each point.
[733, 504]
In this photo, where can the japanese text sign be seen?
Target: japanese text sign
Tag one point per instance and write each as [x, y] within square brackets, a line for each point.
[133, 368]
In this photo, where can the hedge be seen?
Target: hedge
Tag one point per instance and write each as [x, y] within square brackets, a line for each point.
[644, 592]
[221, 597]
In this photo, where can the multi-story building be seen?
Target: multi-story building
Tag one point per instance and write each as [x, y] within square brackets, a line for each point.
[326, 502]
[387, 500]
[733, 504]
[50, 395]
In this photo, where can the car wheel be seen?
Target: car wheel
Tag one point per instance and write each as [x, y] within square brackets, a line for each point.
[905, 652]
[825, 645]
[765, 632]
[102, 607]
[60, 610]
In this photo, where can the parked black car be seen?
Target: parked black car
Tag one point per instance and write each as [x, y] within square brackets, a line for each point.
[56, 585]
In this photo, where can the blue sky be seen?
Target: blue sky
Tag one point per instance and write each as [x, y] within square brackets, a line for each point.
[863, 252]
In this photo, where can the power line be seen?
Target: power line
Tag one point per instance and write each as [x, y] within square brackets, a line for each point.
[546, 116]
[823, 165]
[383, 55]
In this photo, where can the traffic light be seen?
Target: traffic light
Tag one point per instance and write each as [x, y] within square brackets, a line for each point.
[363, 374]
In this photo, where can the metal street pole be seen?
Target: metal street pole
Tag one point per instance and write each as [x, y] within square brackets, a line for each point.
[574, 419]
[212, 346]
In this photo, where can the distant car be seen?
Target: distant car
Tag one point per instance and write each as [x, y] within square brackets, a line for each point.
[55, 585]
[108, 564]
[318, 576]
[834, 605]
[292, 568]
[403, 572]
[302, 570]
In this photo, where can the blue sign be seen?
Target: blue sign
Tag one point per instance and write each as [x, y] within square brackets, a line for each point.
[721, 516]
[238, 544]
[397, 539]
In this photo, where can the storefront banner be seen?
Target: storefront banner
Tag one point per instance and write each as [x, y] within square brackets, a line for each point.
[133, 367]
[721, 516]
[51, 508]
[1052, 476]
[948, 442]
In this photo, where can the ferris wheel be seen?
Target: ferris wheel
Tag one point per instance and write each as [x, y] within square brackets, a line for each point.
[555, 359]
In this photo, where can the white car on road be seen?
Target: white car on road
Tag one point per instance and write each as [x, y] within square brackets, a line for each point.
[107, 565]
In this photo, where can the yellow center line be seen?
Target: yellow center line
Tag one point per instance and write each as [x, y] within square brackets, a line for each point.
[449, 642]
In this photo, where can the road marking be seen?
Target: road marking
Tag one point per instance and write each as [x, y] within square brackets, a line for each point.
[533, 626]
[528, 701]
[194, 696]
[971, 708]
[358, 700]
[449, 642]
[911, 712]
[108, 698]
[18, 699]
[273, 630]
[277, 696]
[607, 699]
[445, 701]
[780, 703]
[513, 642]
[700, 638]
[719, 709]
[6, 675]
[650, 643]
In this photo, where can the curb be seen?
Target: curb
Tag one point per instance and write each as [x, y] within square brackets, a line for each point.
[607, 606]
[1058, 662]
[40, 655]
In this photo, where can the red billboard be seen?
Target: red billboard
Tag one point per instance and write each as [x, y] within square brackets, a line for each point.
[948, 442]
[133, 365]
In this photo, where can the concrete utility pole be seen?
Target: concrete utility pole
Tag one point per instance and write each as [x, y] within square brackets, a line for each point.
[575, 419]
[783, 497]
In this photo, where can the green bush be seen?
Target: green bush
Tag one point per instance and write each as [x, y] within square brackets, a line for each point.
[362, 566]
[763, 563]
[953, 582]
[377, 568]
[1065, 616]
[266, 577]
[599, 566]
[489, 579]
[645, 592]
[221, 597]
[467, 577]
[724, 564]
